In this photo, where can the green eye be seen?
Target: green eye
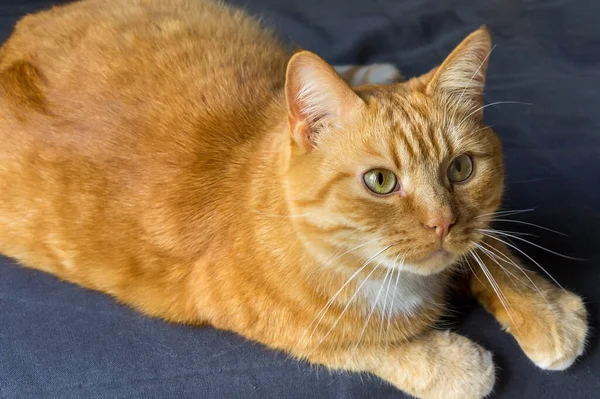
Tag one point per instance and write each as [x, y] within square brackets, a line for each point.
[380, 181]
[460, 169]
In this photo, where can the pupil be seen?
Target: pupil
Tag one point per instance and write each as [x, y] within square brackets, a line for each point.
[457, 165]
[380, 178]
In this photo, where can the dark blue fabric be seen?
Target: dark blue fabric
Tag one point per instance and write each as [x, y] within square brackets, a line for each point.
[60, 341]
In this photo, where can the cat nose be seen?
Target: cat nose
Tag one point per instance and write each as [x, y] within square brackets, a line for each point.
[441, 224]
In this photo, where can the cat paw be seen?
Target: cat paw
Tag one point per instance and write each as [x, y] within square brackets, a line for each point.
[467, 371]
[379, 74]
[559, 334]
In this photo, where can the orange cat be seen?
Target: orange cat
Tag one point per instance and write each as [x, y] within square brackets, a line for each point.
[174, 155]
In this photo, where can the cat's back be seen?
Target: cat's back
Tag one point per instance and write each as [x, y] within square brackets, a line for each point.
[129, 122]
[147, 63]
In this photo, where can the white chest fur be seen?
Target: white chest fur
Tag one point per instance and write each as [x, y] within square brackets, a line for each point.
[399, 292]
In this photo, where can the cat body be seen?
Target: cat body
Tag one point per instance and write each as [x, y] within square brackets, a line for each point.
[175, 155]
[115, 187]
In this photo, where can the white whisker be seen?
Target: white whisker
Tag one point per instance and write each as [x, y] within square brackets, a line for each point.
[385, 300]
[492, 256]
[373, 308]
[528, 224]
[501, 297]
[489, 105]
[508, 234]
[467, 261]
[335, 323]
[505, 213]
[483, 128]
[393, 298]
[514, 232]
[324, 311]
[527, 256]
[509, 261]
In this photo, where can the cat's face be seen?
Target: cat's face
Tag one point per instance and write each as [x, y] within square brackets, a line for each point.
[401, 173]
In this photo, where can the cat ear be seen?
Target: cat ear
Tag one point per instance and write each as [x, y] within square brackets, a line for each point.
[462, 74]
[316, 97]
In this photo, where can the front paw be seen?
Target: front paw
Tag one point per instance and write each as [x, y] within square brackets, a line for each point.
[554, 336]
[463, 369]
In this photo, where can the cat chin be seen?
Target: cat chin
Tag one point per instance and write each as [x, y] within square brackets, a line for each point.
[435, 263]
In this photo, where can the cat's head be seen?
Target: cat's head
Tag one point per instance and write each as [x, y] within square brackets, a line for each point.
[402, 173]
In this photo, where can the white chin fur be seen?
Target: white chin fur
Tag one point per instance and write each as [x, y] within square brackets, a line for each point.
[409, 268]
[400, 291]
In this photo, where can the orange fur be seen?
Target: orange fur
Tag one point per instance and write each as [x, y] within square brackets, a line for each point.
[157, 151]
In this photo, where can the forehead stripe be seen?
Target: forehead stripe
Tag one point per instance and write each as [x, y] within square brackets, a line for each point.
[403, 132]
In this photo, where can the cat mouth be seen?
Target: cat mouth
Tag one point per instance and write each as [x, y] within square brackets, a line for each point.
[438, 254]
[437, 259]
[435, 262]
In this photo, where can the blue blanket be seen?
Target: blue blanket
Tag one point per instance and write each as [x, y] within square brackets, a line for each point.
[60, 341]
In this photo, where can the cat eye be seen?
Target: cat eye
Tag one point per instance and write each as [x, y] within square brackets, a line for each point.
[460, 169]
[380, 181]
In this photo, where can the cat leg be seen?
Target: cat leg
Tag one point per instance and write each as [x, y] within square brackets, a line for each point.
[438, 364]
[549, 323]
[382, 74]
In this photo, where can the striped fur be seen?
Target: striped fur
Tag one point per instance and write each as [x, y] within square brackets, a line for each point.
[173, 154]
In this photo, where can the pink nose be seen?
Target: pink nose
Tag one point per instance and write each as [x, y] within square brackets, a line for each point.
[441, 224]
